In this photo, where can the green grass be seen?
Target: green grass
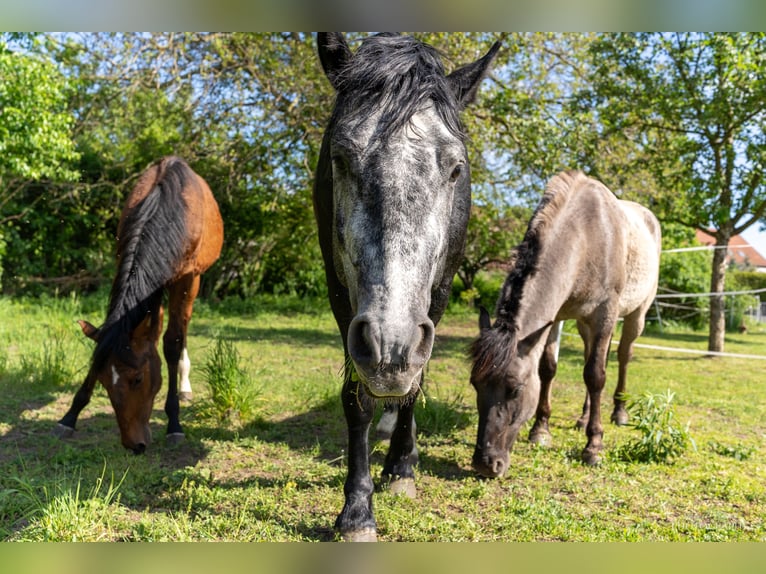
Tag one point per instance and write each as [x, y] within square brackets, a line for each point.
[277, 475]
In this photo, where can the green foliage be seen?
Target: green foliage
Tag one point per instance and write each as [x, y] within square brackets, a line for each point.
[233, 392]
[35, 134]
[485, 290]
[661, 439]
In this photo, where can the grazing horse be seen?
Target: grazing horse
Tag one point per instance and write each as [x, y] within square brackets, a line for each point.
[169, 233]
[587, 256]
[392, 199]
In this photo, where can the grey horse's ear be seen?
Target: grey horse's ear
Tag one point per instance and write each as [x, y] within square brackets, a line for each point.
[465, 80]
[334, 54]
[484, 320]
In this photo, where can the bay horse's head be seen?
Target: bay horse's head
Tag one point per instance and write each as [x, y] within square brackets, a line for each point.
[507, 383]
[401, 195]
[132, 376]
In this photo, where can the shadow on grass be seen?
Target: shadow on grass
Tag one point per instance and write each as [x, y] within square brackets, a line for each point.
[299, 337]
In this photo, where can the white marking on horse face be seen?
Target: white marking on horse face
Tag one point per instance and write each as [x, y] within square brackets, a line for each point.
[115, 376]
[184, 368]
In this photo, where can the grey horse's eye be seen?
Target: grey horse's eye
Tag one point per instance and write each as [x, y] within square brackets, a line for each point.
[456, 171]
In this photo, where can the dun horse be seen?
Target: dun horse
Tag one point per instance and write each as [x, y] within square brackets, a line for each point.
[587, 256]
[169, 233]
[392, 199]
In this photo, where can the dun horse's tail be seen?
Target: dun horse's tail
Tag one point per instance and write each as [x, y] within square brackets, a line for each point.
[151, 243]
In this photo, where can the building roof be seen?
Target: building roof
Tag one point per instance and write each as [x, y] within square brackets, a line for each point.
[740, 251]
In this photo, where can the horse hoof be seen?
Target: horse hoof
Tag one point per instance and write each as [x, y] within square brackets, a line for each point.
[620, 418]
[363, 535]
[591, 458]
[540, 438]
[175, 438]
[63, 431]
[403, 487]
[185, 396]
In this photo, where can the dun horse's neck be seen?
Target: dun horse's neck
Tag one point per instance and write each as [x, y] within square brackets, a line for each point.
[544, 294]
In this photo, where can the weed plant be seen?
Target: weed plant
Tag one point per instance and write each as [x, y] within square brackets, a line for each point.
[661, 440]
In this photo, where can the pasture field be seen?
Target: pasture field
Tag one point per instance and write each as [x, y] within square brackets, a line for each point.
[275, 471]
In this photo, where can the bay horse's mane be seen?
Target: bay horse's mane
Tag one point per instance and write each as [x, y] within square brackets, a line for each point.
[398, 75]
[495, 347]
[150, 244]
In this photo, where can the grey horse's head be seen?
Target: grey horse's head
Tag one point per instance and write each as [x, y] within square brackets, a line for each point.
[401, 196]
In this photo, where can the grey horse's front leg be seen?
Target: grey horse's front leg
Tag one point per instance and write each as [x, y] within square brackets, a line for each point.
[356, 522]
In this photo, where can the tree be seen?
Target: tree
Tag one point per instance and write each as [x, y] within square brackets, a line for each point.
[35, 130]
[693, 108]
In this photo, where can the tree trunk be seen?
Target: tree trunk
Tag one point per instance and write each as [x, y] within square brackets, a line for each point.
[717, 306]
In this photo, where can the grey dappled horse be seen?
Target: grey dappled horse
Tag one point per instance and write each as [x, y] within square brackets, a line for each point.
[587, 256]
[392, 200]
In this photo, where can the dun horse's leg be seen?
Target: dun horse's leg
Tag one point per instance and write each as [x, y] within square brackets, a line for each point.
[632, 327]
[181, 297]
[398, 469]
[66, 426]
[356, 521]
[585, 336]
[540, 433]
[595, 377]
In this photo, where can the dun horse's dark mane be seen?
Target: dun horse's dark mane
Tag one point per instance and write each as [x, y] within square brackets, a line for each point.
[495, 347]
[150, 245]
[399, 75]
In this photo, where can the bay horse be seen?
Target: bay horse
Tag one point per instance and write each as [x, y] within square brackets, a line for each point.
[586, 255]
[391, 199]
[170, 232]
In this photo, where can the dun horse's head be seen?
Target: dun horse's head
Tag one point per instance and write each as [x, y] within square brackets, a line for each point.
[507, 383]
[132, 378]
[401, 194]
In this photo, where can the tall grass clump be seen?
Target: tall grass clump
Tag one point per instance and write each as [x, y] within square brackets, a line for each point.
[51, 363]
[64, 511]
[233, 391]
[662, 440]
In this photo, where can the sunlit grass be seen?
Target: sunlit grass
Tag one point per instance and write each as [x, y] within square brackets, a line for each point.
[278, 474]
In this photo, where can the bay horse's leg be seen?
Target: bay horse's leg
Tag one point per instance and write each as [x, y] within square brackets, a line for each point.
[594, 374]
[398, 469]
[181, 295]
[632, 327]
[540, 433]
[66, 426]
[356, 522]
[184, 384]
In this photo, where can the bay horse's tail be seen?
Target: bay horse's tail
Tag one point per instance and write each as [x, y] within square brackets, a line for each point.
[151, 243]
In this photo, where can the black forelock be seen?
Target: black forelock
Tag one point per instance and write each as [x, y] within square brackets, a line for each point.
[398, 75]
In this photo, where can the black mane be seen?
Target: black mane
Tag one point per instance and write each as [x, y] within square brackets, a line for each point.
[494, 348]
[398, 75]
[150, 246]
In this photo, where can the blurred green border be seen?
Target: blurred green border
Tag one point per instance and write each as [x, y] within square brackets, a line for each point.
[441, 558]
[423, 15]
